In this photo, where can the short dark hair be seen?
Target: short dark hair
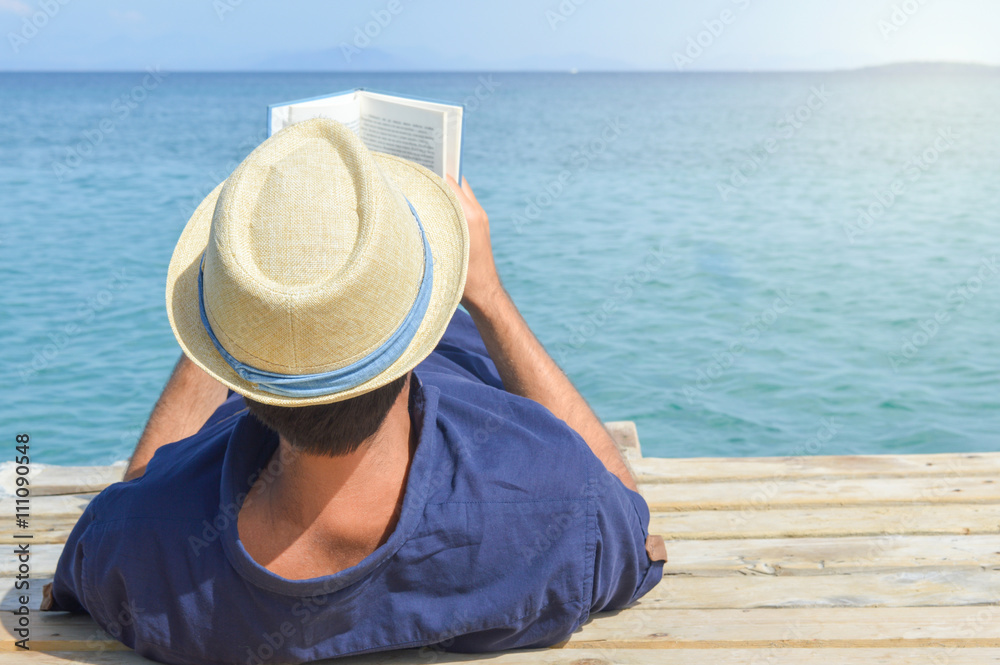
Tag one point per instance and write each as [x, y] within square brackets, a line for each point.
[330, 429]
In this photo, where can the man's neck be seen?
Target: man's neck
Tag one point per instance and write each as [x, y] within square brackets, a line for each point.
[309, 504]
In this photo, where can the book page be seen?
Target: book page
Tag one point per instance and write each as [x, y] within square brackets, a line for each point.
[417, 134]
[452, 132]
[453, 143]
[342, 108]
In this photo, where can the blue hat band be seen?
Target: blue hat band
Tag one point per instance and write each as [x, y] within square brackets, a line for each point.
[345, 378]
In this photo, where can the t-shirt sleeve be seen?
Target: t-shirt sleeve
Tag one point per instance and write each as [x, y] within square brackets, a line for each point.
[462, 351]
[623, 571]
[233, 404]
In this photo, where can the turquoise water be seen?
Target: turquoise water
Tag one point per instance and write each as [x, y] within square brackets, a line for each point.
[694, 257]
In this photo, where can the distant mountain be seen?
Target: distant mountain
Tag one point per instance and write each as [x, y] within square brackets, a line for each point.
[349, 59]
[570, 62]
[352, 59]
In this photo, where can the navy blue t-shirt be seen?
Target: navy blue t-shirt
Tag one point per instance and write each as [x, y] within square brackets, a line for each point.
[511, 533]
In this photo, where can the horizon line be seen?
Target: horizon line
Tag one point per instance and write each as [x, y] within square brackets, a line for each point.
[574, 71]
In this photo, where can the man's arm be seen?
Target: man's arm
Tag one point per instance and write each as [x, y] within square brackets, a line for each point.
[524, 365]
[190, 397]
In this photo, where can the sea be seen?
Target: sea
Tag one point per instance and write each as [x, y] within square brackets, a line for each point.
[744, 264]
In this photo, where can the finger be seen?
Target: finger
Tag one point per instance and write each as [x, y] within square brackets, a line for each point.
[455, 188]
[468, 190]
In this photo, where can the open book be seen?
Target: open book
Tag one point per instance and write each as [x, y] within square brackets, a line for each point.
[423, 131]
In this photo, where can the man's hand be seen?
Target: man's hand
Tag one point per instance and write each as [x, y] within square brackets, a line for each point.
[483, 281]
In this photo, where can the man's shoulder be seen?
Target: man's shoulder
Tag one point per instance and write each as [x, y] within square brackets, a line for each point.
[508, 448]
[181, 481]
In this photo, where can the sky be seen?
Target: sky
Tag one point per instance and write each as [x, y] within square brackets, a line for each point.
[448, 35]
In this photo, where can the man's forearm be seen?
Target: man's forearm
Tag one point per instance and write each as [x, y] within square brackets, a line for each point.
[528, 370]
[188, 399]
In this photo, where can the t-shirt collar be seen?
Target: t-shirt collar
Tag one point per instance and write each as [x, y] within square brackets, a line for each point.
[251, 445]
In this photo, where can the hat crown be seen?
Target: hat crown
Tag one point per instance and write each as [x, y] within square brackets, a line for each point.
[314, 257]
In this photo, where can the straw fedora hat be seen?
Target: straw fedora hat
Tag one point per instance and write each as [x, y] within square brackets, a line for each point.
[318, 271]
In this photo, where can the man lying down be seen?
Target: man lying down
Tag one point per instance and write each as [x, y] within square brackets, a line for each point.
[342, 461]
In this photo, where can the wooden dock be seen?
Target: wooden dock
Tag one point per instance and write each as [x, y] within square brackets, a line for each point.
[773, 561]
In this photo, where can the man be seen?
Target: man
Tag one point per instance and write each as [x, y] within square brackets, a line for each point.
[353, 465]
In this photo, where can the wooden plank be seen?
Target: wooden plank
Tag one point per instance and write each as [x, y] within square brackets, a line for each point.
[825, 556]
[724, 469]
[954, 519]
[69, 506]
[43, 530]
[48, 479]
[9, 596]
[638, 628]
[800, 493]
[43, 559]
[796, 627]
[605, 656]
[741, 496]
[43, 533]
[813, 522]
[848, 571]
[780, 556]
[917, 587]
[626, 436]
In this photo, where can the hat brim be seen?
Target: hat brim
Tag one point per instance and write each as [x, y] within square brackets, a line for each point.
[444, 224]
